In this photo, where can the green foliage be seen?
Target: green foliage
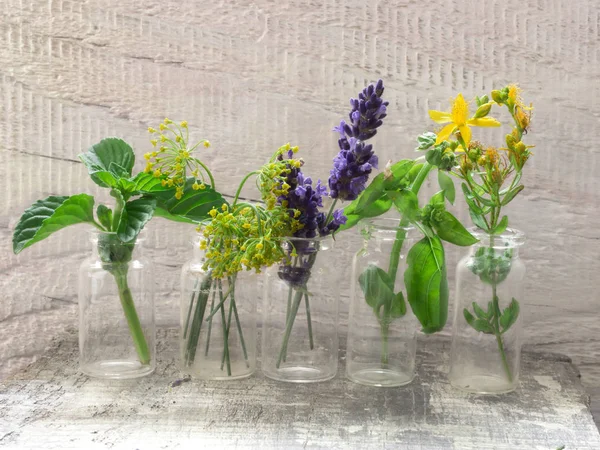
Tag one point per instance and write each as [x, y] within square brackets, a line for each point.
[492, 321]
[509, 315]
[134, 216]
[427, 284]
[426, 140]
[447, 185]
[491, 265]
[49, 215]
[406, 202]
[108, 161]
[378, 290]
[105, 216]
[451, 230]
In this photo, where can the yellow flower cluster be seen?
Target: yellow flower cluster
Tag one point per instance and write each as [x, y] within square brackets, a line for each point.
[173, 161]
[244, 237]
[272, 177]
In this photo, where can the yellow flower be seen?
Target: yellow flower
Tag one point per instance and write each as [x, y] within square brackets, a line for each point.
[183, 124]
[206, 144]
[458, 119]
[151, 130]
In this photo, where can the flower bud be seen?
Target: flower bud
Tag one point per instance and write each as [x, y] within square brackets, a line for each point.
[499, 97]
[483, 110]
[510, 141]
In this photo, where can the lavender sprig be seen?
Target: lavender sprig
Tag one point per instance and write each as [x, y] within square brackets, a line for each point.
[356, 160]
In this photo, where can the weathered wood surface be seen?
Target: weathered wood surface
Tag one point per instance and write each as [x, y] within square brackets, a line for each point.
[52, 406]
[251, 75]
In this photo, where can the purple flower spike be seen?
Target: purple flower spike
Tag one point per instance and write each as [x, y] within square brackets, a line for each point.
[356, 160]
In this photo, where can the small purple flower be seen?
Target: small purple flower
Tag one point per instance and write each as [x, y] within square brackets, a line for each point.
[356, 160]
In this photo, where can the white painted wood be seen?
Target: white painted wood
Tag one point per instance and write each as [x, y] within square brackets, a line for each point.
[252, 75]
[51, 405]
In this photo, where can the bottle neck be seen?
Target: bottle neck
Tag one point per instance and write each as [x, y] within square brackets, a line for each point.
[511, 240]
[109, 249]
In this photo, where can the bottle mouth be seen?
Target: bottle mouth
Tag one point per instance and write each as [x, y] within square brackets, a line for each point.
[110, 237]
[509, 238]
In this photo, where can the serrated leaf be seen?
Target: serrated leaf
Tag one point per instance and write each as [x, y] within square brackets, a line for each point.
[451, 230]
[426, 283]
[509, 315]
[49, 215]
[481, 325]
[406, 201]
[109, 160]
[104, 216]
[193, 205]
[135, 215]
[447, 185]
[146, 183]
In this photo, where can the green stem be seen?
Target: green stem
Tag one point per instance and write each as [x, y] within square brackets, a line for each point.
[401, 233]
[208, 333]
[239, 189]
[239, 328]
[135, 327]
[385, 332]
[330, 213]
[496, 325]
[196, 324]
[189, 314]
[222, 300]
[308, 319]
[288, 327]
[225, 331]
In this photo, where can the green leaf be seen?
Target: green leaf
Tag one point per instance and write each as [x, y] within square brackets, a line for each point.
[469, 199]
[134, 216]
[49, 215]
[376, 208]
[509, 315]
[371, 194]
[451, 230]
[479, 312]
[104, 216]
[426, 140]
[109, 160]
[377, 288]
[414, 171]
[193, 205]
[438, 199]
[426, 283]
[478, 220]
[398, 308]
[447, 185]
[160, 212]
[501, 227]
[146, 183]
[399, 171]
[406, 202]
[481, 325]
[511, 194]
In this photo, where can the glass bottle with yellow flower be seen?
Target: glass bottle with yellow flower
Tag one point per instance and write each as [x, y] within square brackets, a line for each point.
[221, 285]
[486, 337]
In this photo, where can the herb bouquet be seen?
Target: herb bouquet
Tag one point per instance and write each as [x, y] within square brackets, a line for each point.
[116, 323]
[487, 325]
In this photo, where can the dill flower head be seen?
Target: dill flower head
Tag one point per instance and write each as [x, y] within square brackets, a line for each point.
[173, 160]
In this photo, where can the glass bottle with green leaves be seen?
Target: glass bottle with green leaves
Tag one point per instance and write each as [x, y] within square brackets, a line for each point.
[402, 261]
[486, 338]
[116, 283]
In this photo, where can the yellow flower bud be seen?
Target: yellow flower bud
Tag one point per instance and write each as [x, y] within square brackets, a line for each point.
[153, 142]
[151, 130]
[483, 110]
[177, 138]
[183, 124]
[157, 173]
[259, 246]
[206, 144]
[163, 138]
[147, 156]
[168, 121]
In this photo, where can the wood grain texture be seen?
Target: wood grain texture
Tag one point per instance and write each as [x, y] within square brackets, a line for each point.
[252, 75]
[53, 404]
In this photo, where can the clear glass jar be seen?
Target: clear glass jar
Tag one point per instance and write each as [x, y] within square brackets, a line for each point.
[382, 330]
[486, 334]
[300, 314]
[218, 321]
[116, 309]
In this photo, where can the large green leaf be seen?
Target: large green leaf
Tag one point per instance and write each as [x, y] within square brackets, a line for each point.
[105, 216]
[451, 230]
[378, 290]
[134, 216]
[160, 212]
[193, 205]
[108, 161]
[426, 283]
[377, 208]
[49, 215]
[399, 172]
[371, 194]
[146, 183]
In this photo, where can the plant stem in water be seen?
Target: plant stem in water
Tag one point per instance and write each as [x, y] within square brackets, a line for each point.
[497, 313]
[208, 333]
[133, 321]
[309, 320]
[385, 332]
[288, 327]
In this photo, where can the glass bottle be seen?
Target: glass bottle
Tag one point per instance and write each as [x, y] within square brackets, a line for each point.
[486, 334]
[300, 314]
[116, 309]
[218, 321]
[382, 330]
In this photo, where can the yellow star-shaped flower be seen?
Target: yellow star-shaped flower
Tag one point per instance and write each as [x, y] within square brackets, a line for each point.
[458, 119]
